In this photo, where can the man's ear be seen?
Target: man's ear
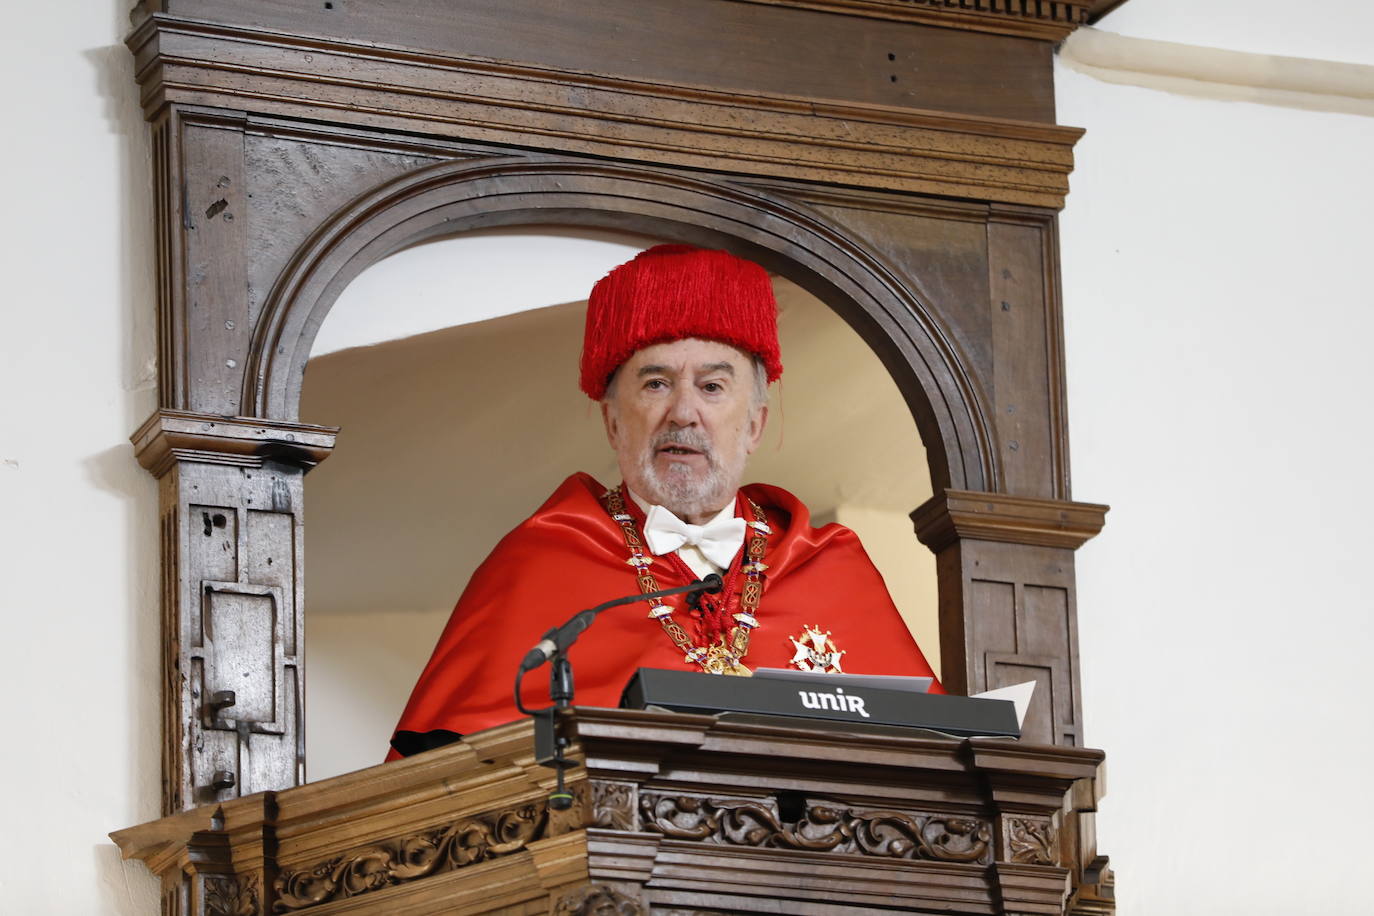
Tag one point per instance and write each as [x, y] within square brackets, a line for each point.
[756, 424]
[608, 418]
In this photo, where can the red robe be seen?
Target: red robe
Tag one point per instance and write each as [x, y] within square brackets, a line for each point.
[570, 555]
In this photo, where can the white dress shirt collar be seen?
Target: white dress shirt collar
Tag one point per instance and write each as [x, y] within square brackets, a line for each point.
[691, 555]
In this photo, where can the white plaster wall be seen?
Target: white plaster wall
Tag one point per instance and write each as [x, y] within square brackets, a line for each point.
[359, 672]
[80, 662]
[1333, 30]
[1192, 414]
[1219, 318]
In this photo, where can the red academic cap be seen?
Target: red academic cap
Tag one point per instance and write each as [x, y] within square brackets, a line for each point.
[672, 292]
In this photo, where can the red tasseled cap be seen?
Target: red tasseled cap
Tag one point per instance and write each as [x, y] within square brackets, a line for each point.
[672, 292]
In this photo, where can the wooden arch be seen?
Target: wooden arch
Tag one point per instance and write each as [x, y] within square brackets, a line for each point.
[449, 197]
[899, 159]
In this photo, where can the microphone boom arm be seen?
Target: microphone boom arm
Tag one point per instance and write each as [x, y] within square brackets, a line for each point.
[549, 745]
[561, 638]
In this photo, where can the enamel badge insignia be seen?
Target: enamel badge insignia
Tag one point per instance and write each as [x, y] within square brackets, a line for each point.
[816, 651]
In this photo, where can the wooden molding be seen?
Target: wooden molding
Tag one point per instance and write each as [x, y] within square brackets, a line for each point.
[465, 841]
[170, 436]
[965, 514]
[666, 807]
[860, 145]
[1043, 19]
[1100, 8]
[1024, 18]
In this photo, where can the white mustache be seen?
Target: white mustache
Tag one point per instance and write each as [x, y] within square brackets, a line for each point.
[687, 437]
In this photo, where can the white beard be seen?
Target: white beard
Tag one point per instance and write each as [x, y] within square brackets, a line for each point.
[678, 490]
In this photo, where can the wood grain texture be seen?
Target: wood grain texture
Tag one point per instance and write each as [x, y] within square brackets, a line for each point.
[169, 436]
[897, 158]
[1007, 598]
[232, 599]
[880, 299]
[235, 698]
[710, 815]
[929, 58]
[922, 145]
[955, 515]
[1025, 18]
[1008, 613]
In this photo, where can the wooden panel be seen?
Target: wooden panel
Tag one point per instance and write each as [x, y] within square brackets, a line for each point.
[167, 207]
[269, 554]
[175, 679]
[1039, 725]
[296, 180]
[709, 43]
[242, 639]
[1046, 614]
[992, 608]
[214, 542]
[232, 599]
[943, 252]
[1021, 378]
[214, 228]
[899, 156]
[675, 813]
[472, 99]
[1007, 610]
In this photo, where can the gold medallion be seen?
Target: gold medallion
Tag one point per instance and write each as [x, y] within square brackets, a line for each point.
[719, 661]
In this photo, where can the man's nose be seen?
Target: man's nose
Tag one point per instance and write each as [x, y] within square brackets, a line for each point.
[682, 408]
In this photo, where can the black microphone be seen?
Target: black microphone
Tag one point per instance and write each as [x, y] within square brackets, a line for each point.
[559, 639]
[542, 652]
[548, 743]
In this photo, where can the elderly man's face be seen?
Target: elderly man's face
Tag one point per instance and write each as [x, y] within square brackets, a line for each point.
[682, 419]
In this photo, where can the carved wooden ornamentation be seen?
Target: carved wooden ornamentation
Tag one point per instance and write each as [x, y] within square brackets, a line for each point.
[822, 828]
[228, 896]
[613, 805]
[1032, 841]
[945, 826]
[409, 858]
[575, 817]
[598, 900]
[1097, 898]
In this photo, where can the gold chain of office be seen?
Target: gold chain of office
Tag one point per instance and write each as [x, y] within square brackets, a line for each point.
[727, 655]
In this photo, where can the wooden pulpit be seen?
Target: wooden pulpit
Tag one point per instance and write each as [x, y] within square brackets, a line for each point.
[671, 814]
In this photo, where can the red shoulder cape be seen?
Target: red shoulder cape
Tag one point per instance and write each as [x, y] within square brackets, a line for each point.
[570, 555]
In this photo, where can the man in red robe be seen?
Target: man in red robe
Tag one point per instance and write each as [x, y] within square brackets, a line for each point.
[679, 348]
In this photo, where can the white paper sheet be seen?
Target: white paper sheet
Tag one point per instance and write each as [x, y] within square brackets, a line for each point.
[1019, 694]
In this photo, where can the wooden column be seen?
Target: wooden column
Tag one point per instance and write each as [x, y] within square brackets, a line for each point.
[1007, 598]
[232, 600]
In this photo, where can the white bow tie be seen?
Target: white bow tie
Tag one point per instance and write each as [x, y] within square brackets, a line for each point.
[718, 540]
